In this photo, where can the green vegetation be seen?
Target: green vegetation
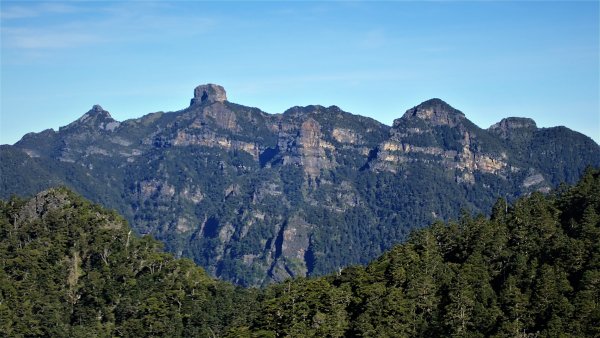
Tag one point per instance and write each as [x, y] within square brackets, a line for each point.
[532, 269]
[70, 268]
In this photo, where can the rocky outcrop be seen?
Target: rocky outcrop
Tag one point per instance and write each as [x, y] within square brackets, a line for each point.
[312, 149]
[221, 115]
[211, 139]
[436, 112]
[290, 250]
[42, 204]
[53, 200]
[535, 181]
[208, 93]
[154, 189]
[303, 145]
[435, 133]
[96, 118]
[506, 127]
[343, 135]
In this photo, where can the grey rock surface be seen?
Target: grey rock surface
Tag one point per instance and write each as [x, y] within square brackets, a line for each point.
[209, 93]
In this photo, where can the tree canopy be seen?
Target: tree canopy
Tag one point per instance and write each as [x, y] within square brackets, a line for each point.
[69, 268]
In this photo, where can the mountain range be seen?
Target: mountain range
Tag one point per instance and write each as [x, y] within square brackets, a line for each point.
[256, 198]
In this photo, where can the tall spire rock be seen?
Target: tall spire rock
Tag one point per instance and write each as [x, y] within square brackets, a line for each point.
[208, 93]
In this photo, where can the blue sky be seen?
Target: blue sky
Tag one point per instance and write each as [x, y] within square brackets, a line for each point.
[489, 59]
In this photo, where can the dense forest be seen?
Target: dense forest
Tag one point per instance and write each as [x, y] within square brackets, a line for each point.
[72, 269]
[530, 269]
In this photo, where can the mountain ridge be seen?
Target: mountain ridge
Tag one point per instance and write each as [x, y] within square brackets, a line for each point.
[256, 197]
[218, 94]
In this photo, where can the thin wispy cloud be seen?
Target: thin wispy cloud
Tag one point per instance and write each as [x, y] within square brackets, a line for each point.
[546, 53]
[79, 26]
[23, 38]
[31, 10]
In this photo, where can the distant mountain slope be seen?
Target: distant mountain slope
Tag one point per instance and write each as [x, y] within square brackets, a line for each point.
[254, 197]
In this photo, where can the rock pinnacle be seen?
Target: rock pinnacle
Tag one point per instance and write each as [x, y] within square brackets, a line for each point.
[208, 93]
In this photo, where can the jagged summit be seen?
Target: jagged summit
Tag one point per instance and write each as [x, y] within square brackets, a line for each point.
[98, 108]
[98, 111]
[208, 93]
[436, 111]
[96, 118]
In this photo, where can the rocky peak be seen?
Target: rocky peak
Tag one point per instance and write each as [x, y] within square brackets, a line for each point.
[96, 118]
[208, 93]
[98, 109]
[511, 123]
[436, 112]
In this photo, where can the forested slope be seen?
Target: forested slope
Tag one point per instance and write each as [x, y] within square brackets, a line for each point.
[531, 269]
[68, 268]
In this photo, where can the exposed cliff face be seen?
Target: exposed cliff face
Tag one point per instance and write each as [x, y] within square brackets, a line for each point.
[256, 198]
[209, 93]
[306, 148]
[436, 133]
[290, 250]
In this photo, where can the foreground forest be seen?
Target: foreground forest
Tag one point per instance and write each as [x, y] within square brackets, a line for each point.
[71, 268]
